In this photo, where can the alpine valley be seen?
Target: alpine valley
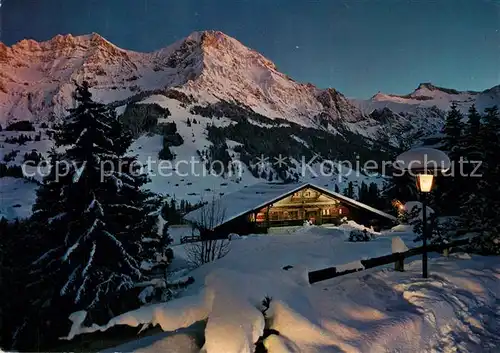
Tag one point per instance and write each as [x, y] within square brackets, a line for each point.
[205, 98]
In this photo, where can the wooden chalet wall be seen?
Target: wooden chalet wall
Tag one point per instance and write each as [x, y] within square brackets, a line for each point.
[293, 209]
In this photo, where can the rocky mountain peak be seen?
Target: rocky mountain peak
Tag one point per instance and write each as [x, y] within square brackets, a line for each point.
[36, 78]
[429, 88]
[427, 85]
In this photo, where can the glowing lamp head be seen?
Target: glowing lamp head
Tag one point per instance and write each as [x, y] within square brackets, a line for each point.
[424, 163]
[425, 182]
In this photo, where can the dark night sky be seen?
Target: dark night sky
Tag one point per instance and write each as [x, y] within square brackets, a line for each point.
[357, 46]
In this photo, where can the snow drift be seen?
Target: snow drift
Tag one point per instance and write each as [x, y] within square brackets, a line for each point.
[370, 311]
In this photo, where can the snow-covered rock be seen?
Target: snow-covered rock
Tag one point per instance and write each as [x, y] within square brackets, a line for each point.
[402, 228]
[234, 236]
[350, 226]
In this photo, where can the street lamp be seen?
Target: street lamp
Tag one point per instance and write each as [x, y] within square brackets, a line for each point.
[425, 164]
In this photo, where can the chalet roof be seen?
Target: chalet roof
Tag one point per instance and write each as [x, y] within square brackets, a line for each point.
[259, 195]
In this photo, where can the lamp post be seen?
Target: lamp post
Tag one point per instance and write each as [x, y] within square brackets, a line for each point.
[424, 185]
[424, 163]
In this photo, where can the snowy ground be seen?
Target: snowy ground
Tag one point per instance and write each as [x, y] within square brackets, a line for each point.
[457, 309]
[17, 196]
[312, 248]
[377, 310]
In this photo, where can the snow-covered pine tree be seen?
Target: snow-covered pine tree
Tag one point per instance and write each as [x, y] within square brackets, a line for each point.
[349, 190]
[481, 211]
[452, 130]
[472, 147]
[447, 194]
[473, 152]
[99, 225]
[53, 208]
[374, 196]
[440, 230]
[363, 193]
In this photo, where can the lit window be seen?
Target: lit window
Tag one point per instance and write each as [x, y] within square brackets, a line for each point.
[340, 211]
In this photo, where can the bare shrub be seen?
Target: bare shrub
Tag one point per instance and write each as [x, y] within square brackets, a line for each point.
[206, 251]
[211, 246]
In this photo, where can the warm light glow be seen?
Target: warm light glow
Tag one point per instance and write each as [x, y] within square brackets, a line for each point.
[425, 182]
[398, 204]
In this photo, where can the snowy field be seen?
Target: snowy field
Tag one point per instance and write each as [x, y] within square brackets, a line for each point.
[17, 196]
[311, 248]
[185, 178]
[379, 310]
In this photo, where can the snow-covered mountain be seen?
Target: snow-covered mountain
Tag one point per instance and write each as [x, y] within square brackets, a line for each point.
[427, 95]
[210, 98]
[421, 113]
[36, 79]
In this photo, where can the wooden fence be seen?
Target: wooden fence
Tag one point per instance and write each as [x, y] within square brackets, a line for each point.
[396, 258]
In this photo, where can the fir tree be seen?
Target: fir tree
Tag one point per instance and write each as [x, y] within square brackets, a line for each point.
[452, 130]
[447, 192]
[374, 196]
[16, 253]
[270, 176]
[440, 230]
[349, 190]
[473, 125]
[99, 226]
[481, 210]
[363, 195]
[473, 152]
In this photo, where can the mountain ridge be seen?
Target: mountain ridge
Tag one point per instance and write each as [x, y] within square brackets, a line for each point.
[37, 80]
[207, 98]
[208, 64]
